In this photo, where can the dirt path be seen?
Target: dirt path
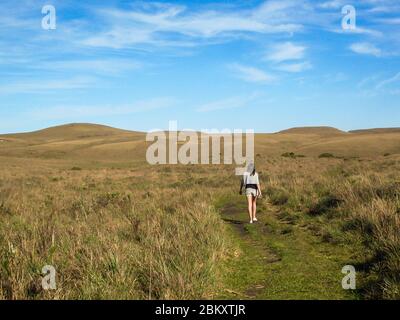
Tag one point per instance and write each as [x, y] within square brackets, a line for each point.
[279, 258]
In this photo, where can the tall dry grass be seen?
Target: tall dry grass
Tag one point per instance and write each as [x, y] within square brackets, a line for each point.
[152, 232]
[360, 198]
[110, 234]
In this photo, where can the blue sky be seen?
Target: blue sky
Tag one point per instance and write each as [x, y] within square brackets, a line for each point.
[262, 65]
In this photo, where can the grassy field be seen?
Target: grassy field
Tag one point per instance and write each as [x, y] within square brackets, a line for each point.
[83, 199]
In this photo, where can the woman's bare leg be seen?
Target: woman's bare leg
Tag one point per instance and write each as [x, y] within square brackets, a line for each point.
[254, 205]
[250, 206]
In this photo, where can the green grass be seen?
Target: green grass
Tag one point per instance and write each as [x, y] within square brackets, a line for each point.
[280, 260]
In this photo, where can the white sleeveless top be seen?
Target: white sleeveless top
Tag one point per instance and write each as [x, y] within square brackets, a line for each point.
[249, 179]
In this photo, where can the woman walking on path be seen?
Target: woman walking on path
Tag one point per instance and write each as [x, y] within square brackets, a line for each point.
[252, 190]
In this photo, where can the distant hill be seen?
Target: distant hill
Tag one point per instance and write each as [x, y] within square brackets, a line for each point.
[91, 142]
[83, 141]
[323, 131]
[70, 131]
[376, 130]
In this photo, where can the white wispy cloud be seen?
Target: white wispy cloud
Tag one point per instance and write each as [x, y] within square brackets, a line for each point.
[46, 86]
[359, 31]
[158, 25]
[149, 24]
[378, 84]
[285, 52]
[366, 48]
[382, 6]
[170, 25]
[288, 57]
[251, 74]
[333, 4]
[390, 21]
[367, 81]
[294, 67]
[96, 66]
[386, 82]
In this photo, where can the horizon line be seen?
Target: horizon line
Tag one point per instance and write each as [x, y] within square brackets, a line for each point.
[166, 130]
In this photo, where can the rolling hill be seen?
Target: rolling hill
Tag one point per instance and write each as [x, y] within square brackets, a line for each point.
[94, 142]
[68, 132]
[376, 130]
[320, 131]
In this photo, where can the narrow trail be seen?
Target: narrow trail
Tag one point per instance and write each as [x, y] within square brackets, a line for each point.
[279, 258]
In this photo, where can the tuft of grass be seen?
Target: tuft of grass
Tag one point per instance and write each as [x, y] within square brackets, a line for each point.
[277, 196]
[324, 205]
[326, 155]
[289, 155]
[292, 155]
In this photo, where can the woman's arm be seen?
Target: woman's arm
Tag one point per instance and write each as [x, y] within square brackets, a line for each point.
[259, 190]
